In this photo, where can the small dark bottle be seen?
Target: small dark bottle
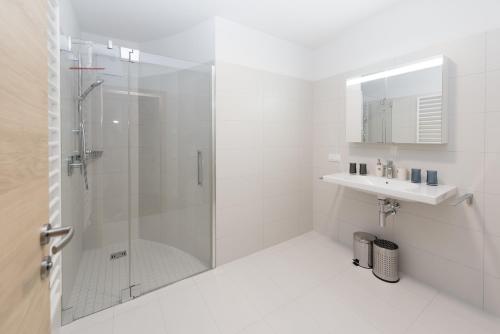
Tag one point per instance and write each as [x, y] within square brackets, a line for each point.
[352, 168]
[362, 169]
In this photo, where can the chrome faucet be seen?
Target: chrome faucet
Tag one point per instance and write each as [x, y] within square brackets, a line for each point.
[390, 169]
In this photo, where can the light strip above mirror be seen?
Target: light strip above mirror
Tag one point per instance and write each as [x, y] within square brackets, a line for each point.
[422, 65]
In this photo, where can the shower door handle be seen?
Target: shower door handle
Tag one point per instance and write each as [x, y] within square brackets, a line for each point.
[199, 155]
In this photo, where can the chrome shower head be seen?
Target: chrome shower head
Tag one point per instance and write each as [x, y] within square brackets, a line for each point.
[88, 90]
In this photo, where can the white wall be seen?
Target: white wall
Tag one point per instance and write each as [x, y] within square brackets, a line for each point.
[68, 23]
[195, 44]
[406, 27]
[263, 134]
[452, 248]
[238, 44]
[264, 160]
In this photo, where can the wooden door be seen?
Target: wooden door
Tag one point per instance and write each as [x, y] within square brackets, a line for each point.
[24, 296]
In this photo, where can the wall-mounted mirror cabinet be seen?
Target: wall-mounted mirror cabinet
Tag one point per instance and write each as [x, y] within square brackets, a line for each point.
[405, 104]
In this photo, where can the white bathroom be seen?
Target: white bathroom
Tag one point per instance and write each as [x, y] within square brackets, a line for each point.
[250, 167]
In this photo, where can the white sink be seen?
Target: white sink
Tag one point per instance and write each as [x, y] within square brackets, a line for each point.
[393, 188]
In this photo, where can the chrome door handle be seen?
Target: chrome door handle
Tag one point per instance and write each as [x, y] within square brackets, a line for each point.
[200, 167]
[48, 232]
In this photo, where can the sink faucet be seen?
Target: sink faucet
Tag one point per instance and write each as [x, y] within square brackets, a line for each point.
[390, 169]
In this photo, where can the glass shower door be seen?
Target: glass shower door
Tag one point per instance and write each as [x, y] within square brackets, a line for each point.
[96, 269]
[145, 220]
[170, 173]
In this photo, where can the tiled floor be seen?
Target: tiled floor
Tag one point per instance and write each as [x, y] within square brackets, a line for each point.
[100, 280]
[305, 285]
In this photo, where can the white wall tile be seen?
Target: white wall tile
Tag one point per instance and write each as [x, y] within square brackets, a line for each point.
[238, 134]
[492, 255]
[231, 220]
[466, 132]
[238, 162]
[458, 244]
[467, 94]
[238, 107]
[246, 241]
[328, 110]
[492, 294]
[449, 276]
[279, 230]
[238, 191]
[264, 159]
[492, 214]
[493, 50]
[491, 175]
[437, 243]
[493, 91]
[492, 132]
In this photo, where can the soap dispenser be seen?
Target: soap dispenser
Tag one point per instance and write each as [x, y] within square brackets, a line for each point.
[379, 169]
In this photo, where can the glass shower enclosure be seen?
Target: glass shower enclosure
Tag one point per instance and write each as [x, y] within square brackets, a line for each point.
[139, 187]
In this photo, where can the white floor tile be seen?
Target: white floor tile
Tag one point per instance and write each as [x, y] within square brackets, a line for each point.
[258, 328]
[94, 327]
[381, 312]
[227, 302]
[294, 318]
[100, 323]
[100, 280]
[262, 292]
[448, 315]
[298, 266]
[332, 313]
[184, 311]
[105, 327]
[146, 318]
[305, 285]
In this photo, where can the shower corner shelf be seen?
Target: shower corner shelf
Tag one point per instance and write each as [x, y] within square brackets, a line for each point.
[94, 154]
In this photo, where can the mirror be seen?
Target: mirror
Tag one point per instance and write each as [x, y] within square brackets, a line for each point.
[404, 105]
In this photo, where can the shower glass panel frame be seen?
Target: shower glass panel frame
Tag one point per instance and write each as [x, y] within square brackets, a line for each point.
[147, 219]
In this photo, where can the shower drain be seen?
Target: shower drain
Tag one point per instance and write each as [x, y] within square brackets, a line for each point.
[117, 255]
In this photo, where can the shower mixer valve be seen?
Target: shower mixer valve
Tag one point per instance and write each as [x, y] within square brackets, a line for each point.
[74, 161]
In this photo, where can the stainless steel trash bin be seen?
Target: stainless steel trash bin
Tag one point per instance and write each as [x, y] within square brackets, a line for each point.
[362, 249]
[385, 260]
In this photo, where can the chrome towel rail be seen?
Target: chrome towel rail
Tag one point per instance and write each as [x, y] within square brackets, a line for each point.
[468, 198]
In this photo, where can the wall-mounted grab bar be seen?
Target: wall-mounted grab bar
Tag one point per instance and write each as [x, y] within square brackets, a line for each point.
[468, 198]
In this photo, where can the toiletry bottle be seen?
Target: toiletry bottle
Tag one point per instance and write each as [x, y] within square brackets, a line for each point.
[379, 169]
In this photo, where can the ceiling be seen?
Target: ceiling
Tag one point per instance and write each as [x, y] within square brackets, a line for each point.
[310, 23]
